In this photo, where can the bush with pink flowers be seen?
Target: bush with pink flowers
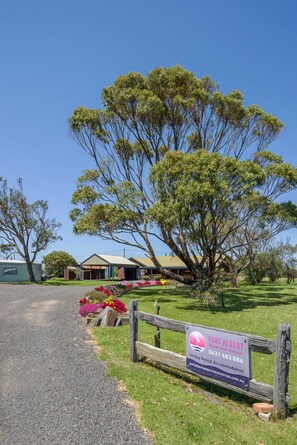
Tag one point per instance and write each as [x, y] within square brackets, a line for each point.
[87, 309]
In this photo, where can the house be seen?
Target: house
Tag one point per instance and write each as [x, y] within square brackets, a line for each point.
[14, 271]
[105, 267]
[171, 263]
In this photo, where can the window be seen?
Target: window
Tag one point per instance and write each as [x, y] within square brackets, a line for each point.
[10, 271]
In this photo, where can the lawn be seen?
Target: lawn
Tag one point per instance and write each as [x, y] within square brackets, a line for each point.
[62, 282]
[182, 410]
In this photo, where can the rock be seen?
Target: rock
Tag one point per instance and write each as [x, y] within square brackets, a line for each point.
[109, 317]
[264, 416]
[123, 319]
[262, 407]
[106, 318]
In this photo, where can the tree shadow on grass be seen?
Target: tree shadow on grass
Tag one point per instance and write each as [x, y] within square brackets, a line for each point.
[159, 300]
[213, 392]
[238, 300]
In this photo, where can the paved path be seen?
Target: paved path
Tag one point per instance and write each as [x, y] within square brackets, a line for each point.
[53, 390]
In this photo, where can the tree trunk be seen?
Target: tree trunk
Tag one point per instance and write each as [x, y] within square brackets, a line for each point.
[233, 274]
[233, 280]
[30, 270]
[288, 275]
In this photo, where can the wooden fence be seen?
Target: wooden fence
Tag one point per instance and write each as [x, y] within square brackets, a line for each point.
[281, 346]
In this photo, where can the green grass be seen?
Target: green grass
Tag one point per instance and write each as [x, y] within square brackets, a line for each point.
[180, 410]
[62, 282]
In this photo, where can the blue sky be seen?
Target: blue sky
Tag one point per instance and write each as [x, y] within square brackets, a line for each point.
[58, 55]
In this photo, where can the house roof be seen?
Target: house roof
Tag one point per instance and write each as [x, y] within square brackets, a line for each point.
[165, 261]
[98, 259]
[14, 262]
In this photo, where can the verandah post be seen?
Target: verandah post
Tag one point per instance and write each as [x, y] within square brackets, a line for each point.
[133, 330]
[281, 371]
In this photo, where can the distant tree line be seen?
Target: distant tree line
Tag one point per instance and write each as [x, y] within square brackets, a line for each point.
[274, 261]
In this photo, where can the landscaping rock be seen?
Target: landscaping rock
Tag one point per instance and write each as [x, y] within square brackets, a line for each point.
[264, 416]
[106, 318]
[109, 317]
[262, 407]
[123, 320]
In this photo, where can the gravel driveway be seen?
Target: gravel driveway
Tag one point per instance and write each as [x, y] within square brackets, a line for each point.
[53, 389]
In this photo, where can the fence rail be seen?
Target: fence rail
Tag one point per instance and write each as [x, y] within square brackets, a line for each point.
[278, 393]
[256, 343]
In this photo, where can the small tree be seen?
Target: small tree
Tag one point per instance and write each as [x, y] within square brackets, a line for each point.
[6, 251]
[55, 262]
[273, 261]
[287, 254]
[24, 226]
[244, 247]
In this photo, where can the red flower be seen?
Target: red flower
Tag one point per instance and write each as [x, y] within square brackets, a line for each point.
[83, 301]
[99, 288]
[107, 292]
[117, 305]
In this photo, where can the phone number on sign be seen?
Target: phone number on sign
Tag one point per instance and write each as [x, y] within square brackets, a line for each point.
[233, 358]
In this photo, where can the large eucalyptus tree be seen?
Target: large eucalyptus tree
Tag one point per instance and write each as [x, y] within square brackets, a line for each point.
[179, 162]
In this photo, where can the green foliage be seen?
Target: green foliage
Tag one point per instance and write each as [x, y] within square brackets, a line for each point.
[168, 150]
[6, 250]
[55, 262]
[24, 226]
[266, 264]
[94, 296]
[189, 185]
[209, 197]
[210, 298]
[277, 260]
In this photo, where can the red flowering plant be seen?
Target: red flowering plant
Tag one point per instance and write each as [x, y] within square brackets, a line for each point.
[115, 304]
[103, 296]
[100, 298]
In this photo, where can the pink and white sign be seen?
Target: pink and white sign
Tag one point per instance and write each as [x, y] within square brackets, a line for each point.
[220, 355]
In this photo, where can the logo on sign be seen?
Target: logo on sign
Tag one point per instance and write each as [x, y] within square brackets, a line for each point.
[197, 341]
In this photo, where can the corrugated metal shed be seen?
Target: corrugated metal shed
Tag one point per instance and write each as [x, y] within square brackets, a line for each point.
[12, 271]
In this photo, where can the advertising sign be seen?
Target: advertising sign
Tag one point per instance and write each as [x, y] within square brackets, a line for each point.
[219, 355]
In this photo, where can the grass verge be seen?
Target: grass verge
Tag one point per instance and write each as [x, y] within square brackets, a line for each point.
[182, 410]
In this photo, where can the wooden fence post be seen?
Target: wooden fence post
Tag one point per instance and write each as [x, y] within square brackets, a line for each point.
[157, 334]
[133, 330]
[281, 371]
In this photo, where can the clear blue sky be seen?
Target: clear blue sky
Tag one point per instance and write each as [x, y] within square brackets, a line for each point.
[57, 55]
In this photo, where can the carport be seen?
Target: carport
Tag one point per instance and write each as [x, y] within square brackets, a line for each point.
[106, 264]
